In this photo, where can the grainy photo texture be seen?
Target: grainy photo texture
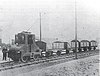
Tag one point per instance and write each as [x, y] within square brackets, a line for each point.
[49, 37]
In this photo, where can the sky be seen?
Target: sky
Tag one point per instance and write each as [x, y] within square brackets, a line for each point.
[57, 19]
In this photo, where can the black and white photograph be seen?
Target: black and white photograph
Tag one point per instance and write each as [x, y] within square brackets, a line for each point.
[49, 37]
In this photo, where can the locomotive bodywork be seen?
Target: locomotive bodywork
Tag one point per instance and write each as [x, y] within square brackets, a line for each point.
[42, 46]
[25, 47]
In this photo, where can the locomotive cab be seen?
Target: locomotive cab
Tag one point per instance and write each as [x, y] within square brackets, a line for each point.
[28, 49]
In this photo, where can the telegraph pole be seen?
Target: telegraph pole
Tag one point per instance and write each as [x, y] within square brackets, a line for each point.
[75, 30]
[40, 26]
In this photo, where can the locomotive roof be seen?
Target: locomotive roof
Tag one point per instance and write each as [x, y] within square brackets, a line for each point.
[25, 32]
[40, 42]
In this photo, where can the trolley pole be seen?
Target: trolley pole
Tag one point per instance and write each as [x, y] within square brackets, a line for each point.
[75, 30]
[40, 26]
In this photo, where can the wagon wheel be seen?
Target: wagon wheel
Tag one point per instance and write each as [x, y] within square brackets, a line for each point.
[94, 48]
[25, 58]
[51, 53]
[47, 54]
[67, 51]
[58, 53]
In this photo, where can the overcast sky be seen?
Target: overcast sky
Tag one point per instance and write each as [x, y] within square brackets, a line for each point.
[58, 18]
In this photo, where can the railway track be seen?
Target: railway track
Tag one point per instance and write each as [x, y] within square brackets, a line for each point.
[11, 65]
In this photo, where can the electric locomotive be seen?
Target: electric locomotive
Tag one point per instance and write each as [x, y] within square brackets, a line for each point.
[25, 47]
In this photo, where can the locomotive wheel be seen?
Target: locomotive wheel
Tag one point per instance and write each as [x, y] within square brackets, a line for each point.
[25, 58]
[58, 53]
[80, 50]
[47, 54]
[73, 51]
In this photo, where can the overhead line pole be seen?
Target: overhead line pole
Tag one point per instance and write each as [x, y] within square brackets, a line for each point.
[75, 30]
[40, 26]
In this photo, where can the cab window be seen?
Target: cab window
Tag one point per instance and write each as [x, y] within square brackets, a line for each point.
[20, 39]
[37, 50]
[30, 39]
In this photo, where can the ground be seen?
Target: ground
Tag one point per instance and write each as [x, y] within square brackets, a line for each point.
[82, 67]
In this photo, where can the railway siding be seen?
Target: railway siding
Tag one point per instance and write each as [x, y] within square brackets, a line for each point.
[87, 66]
[56, 59]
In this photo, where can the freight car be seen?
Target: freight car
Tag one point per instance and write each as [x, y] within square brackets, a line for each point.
[59, 47]
[85, 45]
[73, 46]
[93, 45]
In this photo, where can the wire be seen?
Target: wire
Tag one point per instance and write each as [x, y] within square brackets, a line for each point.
[31, 25]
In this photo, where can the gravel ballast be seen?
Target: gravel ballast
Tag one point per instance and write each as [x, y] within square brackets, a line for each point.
[82, 67]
